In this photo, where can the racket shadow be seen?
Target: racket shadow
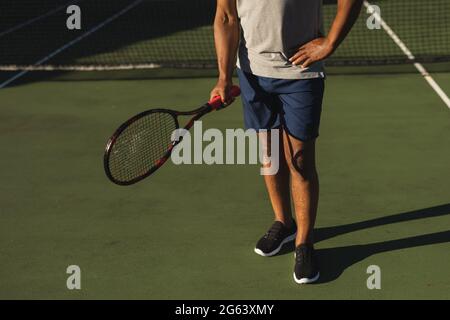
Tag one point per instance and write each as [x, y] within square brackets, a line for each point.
[334, 261]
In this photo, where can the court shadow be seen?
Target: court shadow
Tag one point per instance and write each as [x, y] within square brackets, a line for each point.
[334, 261]
[321, 234]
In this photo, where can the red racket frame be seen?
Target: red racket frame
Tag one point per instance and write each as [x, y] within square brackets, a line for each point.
[213, 104]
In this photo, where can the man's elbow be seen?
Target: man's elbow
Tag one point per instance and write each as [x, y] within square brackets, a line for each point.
[226, 19]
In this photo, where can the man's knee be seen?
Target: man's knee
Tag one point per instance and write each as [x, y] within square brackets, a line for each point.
[302, 164]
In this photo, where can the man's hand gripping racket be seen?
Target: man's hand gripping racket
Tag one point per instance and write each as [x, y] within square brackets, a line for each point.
[141, 145]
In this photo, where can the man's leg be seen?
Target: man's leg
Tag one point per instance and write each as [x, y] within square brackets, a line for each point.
[300, 157]
[301, 120]
[278, 184]
[283, 230]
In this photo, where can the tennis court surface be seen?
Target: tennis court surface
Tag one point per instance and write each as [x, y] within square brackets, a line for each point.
[188, 231]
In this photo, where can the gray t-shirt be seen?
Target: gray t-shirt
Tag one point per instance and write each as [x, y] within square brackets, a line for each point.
[272, 31]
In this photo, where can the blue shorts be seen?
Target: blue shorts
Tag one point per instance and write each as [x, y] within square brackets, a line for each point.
[295, 105]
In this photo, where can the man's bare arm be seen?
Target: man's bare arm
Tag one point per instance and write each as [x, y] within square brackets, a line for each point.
[226, 38]
[321, 48]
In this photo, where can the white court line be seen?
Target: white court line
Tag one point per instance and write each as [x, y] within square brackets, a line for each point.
[409, 54]
[45, 15]
[82, 68]
[71, 43]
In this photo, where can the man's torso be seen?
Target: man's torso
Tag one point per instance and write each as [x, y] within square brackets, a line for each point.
[272, 31]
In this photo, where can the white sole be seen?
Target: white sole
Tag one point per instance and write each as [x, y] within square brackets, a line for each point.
[306, 280]
[274, 252]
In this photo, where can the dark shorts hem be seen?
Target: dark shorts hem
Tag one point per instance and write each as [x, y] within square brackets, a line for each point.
[294, 104]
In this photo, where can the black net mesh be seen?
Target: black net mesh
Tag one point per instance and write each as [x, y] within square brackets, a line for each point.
[119, 34]
[140, 146]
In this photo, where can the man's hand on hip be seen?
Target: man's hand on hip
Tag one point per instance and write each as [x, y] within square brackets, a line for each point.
[313, 51]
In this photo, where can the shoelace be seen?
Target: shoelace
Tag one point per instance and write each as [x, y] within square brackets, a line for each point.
[273, 232]
[300, 255]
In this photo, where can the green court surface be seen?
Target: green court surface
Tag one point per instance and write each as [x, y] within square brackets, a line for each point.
[188, 231]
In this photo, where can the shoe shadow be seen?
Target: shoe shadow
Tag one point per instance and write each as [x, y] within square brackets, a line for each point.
[334, 261]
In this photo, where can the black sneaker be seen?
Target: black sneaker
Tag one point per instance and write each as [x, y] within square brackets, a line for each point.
[270, 244]
[306, 268]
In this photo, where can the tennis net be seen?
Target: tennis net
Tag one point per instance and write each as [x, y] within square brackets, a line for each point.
[134, 34]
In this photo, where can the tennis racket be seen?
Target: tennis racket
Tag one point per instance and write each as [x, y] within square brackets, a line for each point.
[141, 145]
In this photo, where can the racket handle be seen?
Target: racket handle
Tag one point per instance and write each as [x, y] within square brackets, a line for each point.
[216, 102]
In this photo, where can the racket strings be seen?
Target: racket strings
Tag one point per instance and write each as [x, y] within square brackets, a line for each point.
[141, 145]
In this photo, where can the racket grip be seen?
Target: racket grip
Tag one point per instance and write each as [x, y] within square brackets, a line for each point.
[216, 102]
